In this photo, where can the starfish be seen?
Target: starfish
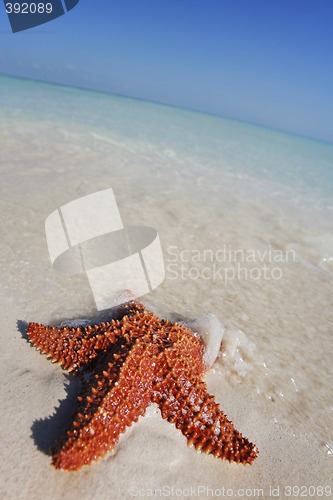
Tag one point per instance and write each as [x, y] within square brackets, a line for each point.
[125, 365]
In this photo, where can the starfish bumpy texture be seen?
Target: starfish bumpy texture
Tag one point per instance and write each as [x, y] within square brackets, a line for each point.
[129, 363]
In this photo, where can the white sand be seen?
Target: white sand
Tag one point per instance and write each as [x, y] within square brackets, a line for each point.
[152, 454]
[284, 401]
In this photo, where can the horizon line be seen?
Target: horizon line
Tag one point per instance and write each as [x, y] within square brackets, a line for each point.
[175, 106]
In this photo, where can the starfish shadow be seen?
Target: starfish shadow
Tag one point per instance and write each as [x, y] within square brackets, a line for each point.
[22, 327]
[47, 432]
[104, 315]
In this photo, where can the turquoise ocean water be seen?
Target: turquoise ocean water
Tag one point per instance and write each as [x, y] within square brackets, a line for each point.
[235, 147]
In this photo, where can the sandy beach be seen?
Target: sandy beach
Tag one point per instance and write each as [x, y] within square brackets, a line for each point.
[273, 375]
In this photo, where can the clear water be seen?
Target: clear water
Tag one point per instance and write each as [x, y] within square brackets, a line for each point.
[215, 141]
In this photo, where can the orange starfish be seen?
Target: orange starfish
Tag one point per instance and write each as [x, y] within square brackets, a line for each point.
[132, 362]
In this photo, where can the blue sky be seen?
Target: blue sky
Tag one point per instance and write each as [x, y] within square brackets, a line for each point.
[268, 62]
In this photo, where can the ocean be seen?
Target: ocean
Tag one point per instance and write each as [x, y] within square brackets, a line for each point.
[245, 219]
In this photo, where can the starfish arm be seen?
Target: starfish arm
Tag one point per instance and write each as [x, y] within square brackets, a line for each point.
[120, 393]
[73, 347]
[194, 411]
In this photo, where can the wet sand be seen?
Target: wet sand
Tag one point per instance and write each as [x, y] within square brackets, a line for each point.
[273, 382]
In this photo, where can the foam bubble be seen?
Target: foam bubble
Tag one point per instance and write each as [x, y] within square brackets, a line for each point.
[238, 352]
[211, 331]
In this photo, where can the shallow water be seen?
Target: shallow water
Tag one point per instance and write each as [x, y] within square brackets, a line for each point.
[244, 216]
